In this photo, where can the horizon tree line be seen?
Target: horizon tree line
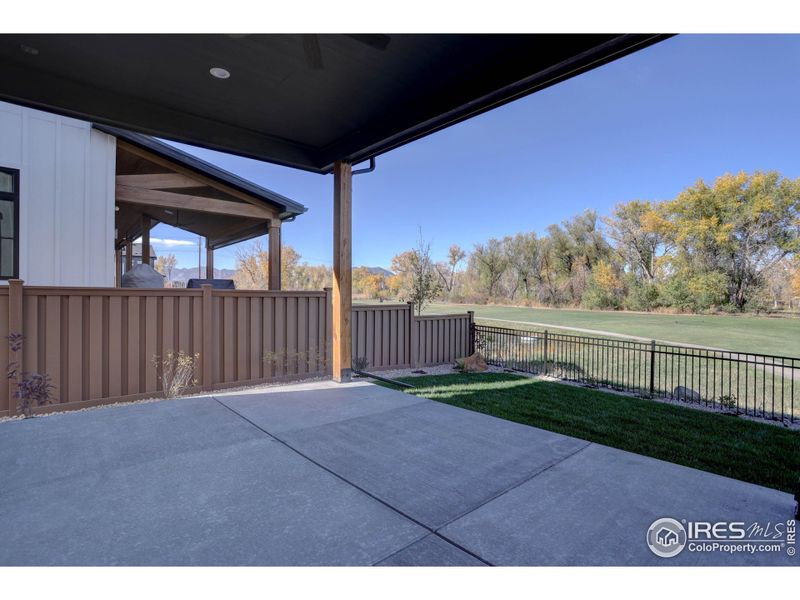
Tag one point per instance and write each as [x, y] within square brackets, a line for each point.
[732, 245]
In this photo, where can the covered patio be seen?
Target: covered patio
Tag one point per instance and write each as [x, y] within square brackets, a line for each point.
[322, 473]
[330, 474]
[321, 103]
[157, 183]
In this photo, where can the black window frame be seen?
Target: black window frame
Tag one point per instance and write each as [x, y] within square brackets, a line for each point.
[12, 197]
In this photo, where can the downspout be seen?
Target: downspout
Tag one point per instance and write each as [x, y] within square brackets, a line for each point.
[368, 169]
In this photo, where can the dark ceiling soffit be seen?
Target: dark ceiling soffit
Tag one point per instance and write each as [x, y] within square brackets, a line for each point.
[227, 138]
[243, 235]
[205, 168]
[581, 63]
[251, 144]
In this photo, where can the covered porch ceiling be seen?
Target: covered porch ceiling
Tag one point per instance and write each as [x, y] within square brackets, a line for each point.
[303, 101]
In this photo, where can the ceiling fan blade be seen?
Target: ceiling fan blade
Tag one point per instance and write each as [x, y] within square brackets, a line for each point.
[378, 41]
[312, 51]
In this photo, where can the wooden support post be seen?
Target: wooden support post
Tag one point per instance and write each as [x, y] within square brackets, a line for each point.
[274, 254]
[209, 260]
[208, 333]
[342, 269]
[146, 240]
[128, 255]
[118, 266]
[15, 322]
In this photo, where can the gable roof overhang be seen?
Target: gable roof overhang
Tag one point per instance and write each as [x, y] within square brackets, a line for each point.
[303, 101]
[163, 184]
[286, 207]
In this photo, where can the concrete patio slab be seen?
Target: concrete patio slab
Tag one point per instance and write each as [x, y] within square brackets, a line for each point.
[249, 503]
[329, 474]
[37, 450]
[431, 551]
[292, 408]
[595, 509]
[431, 461]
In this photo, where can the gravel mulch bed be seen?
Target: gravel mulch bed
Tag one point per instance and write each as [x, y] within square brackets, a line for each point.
[253, 388]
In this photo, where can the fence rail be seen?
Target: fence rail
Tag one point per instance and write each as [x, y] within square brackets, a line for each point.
[760, 385]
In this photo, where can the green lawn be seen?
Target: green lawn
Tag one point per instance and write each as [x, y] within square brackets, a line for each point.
[764, 454]
[764, 335]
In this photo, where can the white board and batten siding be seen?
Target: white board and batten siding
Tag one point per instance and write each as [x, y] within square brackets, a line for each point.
[66, 181]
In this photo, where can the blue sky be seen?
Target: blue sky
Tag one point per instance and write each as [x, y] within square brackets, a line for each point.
[645, 126]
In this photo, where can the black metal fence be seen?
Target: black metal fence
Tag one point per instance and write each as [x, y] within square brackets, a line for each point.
[744, 383]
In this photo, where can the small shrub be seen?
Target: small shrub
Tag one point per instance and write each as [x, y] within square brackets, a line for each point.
[727, 402]
[32, 389]
[481, 340]
[288, 362]
[177, 372]
[360, 363]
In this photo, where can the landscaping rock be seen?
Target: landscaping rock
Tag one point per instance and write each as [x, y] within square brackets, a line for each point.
[686, 394]
[472, 364]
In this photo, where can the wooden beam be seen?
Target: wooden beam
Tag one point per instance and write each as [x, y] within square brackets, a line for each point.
[342, 269]
[160, 199]
[146, 224]
[128, 255]
[209, 260]
[274, 254]
[194, 175]
[159, 181]
[118, 266]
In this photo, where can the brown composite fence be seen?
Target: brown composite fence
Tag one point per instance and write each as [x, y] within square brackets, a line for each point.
[391, 336]
[98, 344]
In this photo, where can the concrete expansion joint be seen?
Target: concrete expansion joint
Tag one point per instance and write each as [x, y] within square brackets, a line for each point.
[515, 486]
[436, 531]
[429, 529]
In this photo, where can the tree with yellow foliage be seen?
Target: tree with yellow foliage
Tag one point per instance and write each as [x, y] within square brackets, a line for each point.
[736, 228]
[252, 270]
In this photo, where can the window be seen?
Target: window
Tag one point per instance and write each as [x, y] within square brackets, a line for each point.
[9, 223]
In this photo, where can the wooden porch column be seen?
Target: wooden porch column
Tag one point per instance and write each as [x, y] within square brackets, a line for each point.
[342, 269]
[209, 261]
[145, 240]
[274, 254]
[118, 266]
[128, 255]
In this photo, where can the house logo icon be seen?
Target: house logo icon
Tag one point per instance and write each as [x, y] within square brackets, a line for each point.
[666, 537]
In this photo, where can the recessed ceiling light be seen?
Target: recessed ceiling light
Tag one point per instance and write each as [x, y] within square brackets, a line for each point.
[219, 72]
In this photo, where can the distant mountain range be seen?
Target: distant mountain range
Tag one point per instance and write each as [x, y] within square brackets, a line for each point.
[378, 271]
[185, 274]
